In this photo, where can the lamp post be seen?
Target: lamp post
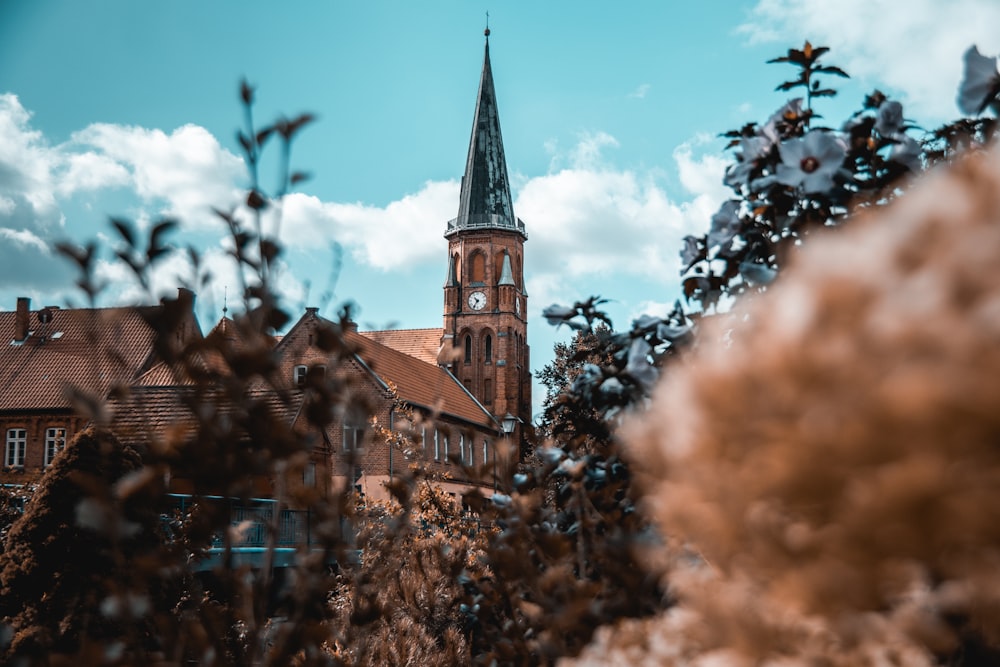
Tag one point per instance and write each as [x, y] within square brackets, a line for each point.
[508, 425]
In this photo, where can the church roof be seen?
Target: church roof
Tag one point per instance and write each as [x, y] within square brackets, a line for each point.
[420, 383]
[485, 200]
[424, 344]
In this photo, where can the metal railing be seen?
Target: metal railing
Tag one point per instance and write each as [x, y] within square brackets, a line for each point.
[485, 221]
[254, 520]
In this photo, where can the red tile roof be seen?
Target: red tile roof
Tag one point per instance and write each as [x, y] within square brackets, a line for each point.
[424, 344]
[92, 349]
[420, 383]
[417, 382]
[146, 414]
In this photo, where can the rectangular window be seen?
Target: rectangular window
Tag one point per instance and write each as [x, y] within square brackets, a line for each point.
[354, 433]
[309, 475]
[487, 391]
[446, 443]
[55, 441]
[486, 451]
[17, 441]
[437, 445]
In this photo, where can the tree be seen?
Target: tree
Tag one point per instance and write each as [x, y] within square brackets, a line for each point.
[72, 579]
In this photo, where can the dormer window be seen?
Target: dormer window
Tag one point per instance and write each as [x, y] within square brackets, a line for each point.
[299, 375]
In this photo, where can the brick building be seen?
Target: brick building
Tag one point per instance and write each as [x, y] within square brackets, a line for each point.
[58, 367]
[462, 391]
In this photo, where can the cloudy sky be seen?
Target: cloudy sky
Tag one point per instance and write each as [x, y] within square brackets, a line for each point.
[610, 121]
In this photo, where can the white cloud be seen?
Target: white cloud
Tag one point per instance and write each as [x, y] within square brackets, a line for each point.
[26, 167]
[640, 92]
[404, 233]
[655, 308]
[187, 169]
[90, 171]
[221, 287]
[591, 218]
[24, 239]
[585, 217]
[913, 46]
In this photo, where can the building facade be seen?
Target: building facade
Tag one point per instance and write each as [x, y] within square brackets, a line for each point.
[485, 300]
[458, 398]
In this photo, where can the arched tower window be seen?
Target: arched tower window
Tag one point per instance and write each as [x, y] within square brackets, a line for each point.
[468, 349]
[478, 274]
[488, 349]
[456, 268]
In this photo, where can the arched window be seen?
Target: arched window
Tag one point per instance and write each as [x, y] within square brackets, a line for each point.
[478, 268]
[456, 268]
[488, 352]
[468, 349]
[488, 391]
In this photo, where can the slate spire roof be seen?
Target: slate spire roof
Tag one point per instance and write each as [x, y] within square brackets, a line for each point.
[485, 201]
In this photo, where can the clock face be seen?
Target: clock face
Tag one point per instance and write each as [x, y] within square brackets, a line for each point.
[477, 300]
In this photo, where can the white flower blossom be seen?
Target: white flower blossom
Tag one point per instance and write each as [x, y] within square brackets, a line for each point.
[980, 82]
[810, 162]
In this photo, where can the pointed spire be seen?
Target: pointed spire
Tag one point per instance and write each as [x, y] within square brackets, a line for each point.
[485, 199]
[506, 273]
[452, 279]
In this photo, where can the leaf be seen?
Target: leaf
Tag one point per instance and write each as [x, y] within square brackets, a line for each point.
[125, 230]
[299, 176]
[269, 250]
[256, 201]
[246, 92]
[159, 229]
[244, 142]
[264, 134]
[829, 69]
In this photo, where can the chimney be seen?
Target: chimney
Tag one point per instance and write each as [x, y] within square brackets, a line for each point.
[21, 320]
[186, 297]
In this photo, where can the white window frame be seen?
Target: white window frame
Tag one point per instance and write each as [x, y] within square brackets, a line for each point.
[299, 373]
[437, 446]
[17, 445]
[486, 450]
[353, 434]
[55, 442]
[446, 443]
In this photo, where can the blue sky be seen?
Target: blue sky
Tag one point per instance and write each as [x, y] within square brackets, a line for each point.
[610, 119]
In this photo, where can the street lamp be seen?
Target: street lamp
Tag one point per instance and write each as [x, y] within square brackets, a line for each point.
[508, 424]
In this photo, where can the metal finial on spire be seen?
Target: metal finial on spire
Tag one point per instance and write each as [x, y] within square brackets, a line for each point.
[487, 31]
[225, 300]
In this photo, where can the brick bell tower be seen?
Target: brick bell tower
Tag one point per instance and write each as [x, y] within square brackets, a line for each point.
[485, 302]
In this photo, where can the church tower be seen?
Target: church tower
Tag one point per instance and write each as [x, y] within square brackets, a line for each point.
[485, 302]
